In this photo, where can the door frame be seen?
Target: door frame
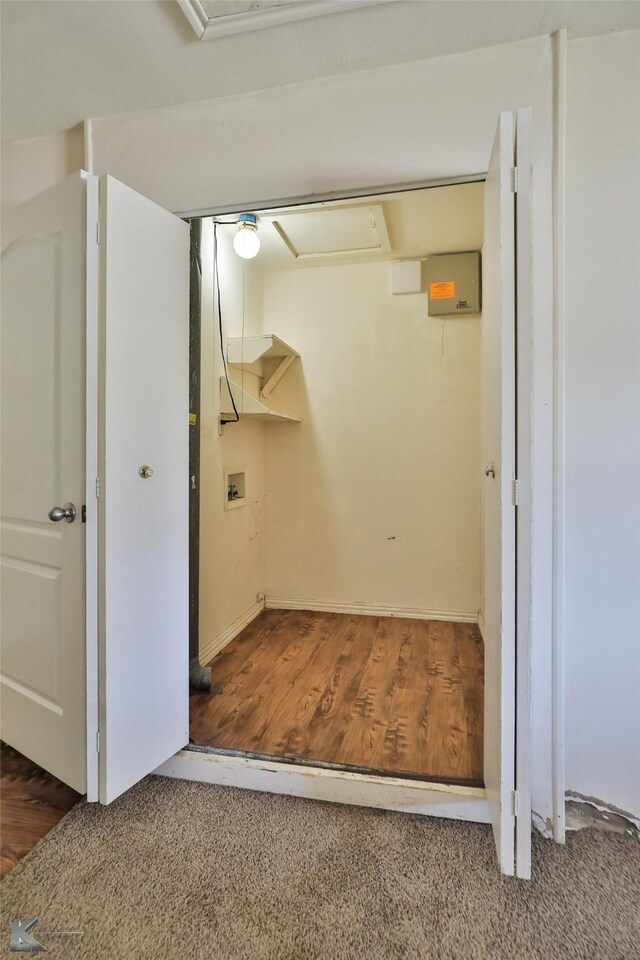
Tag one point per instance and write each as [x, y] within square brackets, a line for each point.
[390, 793]
[395, 793]
[92, 239]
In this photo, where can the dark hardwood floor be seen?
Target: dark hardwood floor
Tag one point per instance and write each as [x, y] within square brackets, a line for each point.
[32, 802]
[376, 693]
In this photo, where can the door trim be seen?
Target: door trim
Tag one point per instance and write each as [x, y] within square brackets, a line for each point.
[524, 409]
[91, 453]
[523, 389]
[336, 786]
[333, 195]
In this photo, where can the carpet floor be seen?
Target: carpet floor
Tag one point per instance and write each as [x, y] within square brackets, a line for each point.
[184, 870]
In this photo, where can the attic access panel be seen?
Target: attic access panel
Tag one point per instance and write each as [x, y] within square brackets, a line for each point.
[331, 232]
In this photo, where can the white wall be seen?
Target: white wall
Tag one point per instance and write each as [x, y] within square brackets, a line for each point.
[602, 421]
[374, 499]
[418, 121]
[231, 541]
[30, 166]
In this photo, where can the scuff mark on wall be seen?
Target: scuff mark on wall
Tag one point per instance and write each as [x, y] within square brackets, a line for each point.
[583, 811]
[545, 827]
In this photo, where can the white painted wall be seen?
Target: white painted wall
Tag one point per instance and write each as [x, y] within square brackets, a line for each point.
[602, 421]
[31, 166]
[231, 541]
[417, 121]
[374, 499]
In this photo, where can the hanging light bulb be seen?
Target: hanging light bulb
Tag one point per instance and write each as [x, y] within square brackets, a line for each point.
[246, 242]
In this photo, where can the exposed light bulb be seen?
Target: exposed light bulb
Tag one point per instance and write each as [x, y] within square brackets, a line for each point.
[246, 242]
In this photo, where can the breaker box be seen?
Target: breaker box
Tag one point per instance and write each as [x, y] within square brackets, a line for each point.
[454, 284]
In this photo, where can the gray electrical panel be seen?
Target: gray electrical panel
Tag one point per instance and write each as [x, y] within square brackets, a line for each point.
[454, 285]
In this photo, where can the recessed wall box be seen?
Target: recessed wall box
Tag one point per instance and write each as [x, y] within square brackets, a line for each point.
[453, 284]
[235, 488]
[406, 276]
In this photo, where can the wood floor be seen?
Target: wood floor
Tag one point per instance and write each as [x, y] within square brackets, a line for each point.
[32, 802]
[376, 693]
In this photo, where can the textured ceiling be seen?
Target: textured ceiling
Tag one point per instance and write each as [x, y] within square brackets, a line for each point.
[68, 60]
[226, 8]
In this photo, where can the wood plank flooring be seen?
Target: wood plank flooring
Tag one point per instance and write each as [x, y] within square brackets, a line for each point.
[32, 802]
[376, 693]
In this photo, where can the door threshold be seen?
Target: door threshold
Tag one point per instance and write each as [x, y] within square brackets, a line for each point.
[328, 765]
[210, 765]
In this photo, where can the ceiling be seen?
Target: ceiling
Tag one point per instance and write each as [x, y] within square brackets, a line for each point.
[68, 60]
[417, 223]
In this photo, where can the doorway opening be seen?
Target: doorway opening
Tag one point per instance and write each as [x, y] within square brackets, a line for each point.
[336, 562]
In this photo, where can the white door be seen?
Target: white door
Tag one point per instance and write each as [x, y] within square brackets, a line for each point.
[499, 510]
[144, 477]
[43, 467]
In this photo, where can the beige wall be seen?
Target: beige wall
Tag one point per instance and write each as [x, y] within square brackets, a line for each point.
[374, 499]
[30, 166]
[600, 401]
[231, 541]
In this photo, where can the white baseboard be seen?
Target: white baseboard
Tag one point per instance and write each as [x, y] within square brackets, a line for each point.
[377, 610]
[212, 647]
[337, 786]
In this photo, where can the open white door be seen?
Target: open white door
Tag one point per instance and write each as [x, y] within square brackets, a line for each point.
[44, 679]
[144, 375]
[499, 502]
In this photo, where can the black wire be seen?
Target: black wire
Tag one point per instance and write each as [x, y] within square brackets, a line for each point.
[219, 298]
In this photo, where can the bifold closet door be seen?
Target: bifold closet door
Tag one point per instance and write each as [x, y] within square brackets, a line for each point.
[501, 283]
[144, 507]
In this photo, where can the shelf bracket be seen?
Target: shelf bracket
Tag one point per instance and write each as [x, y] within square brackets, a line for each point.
[276, 376]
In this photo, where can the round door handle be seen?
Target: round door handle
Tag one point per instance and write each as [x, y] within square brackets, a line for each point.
[66, 512]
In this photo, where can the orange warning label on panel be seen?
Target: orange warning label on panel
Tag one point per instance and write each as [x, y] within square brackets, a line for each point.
[442, 290]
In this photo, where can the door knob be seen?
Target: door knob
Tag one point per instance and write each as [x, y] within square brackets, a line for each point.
[66, 512]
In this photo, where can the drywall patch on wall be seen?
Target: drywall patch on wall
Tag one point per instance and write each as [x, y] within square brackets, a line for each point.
[582, 811]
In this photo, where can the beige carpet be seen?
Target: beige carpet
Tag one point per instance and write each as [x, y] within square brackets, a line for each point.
[183, 870]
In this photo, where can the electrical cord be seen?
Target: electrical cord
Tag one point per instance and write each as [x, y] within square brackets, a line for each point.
[219, 298]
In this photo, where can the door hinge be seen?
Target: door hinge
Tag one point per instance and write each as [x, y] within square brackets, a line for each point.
[515, 803]
[97, 741]
[98, 233]
[516, 492]
[514, 179]
[97, 488]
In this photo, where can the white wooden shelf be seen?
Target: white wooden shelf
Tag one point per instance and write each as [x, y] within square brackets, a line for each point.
[243, 352]
[249, 406]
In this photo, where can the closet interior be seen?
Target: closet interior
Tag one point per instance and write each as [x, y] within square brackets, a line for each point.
[338, 547]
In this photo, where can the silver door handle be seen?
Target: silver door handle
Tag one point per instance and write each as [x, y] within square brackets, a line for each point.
[66, 512]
